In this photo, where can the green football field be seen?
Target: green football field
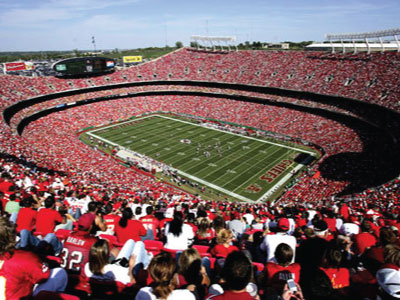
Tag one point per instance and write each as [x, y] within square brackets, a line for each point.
[243, 167]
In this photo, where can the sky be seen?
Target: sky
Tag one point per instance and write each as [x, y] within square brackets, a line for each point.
[40, 25]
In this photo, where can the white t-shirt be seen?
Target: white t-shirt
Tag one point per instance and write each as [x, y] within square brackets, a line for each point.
[180, 242]
[75, 203]
[146, 293]
[271, 241]
[111, 272]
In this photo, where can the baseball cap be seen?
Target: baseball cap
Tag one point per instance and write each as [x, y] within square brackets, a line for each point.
[389, 280]
[85, 222]
[283, 223]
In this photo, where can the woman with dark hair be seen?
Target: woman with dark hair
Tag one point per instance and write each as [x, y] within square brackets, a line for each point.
[275, 275]
[179, 235]
[218, 224]
[339, 276]
[162, 271]
[127, 228]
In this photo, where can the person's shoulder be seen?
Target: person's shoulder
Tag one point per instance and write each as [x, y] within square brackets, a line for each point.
[24, 255]
[181, 294]
[145, 293]
[28, 261]
[230, 295]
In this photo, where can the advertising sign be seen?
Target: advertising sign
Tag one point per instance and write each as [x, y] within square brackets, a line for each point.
[132, 59]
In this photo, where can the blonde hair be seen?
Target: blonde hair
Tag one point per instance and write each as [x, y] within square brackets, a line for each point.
[224, 235]
[187, 258]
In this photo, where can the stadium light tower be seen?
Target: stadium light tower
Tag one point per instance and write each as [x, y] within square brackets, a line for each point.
[94, 43]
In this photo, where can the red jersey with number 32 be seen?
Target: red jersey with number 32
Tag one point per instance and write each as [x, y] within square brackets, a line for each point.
[19, 272]
[75, 253]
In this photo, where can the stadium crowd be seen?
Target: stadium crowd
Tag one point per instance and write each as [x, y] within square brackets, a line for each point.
[104, 243]
[76, 222]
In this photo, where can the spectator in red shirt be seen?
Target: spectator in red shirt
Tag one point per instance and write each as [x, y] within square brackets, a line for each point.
[150, 222]
[6, 183]
[110, 219]
[75, 253]
[204, 233]
[223, 247]
[276, 274]
[98, 221]
[129, 229]
[386, 237]
[365, 239]
[340, 277]
[48, 217]
[27, 215]
[20, 270]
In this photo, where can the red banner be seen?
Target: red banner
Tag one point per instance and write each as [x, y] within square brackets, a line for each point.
[15, 66]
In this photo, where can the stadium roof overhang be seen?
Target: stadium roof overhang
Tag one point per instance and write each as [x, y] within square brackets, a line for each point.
[364, 36]
[214, 41]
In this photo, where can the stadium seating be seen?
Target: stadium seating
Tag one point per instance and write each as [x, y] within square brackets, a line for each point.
[49, 150]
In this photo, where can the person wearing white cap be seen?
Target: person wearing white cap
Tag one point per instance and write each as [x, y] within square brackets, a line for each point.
[389, 283]
[388, 277]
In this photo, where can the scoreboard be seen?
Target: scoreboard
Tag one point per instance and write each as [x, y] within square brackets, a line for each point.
[84, 65]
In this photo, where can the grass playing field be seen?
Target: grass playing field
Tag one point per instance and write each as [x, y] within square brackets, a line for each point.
[243, 167]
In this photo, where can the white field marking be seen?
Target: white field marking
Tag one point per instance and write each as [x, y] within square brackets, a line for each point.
[281, 182]
[268, 193]
[218, 188]
[117, 124]
[245, 137]
[253, 177]
[244, 162]
[101, 139]
[270, 165]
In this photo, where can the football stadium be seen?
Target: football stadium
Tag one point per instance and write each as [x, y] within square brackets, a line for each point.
[206, 173]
